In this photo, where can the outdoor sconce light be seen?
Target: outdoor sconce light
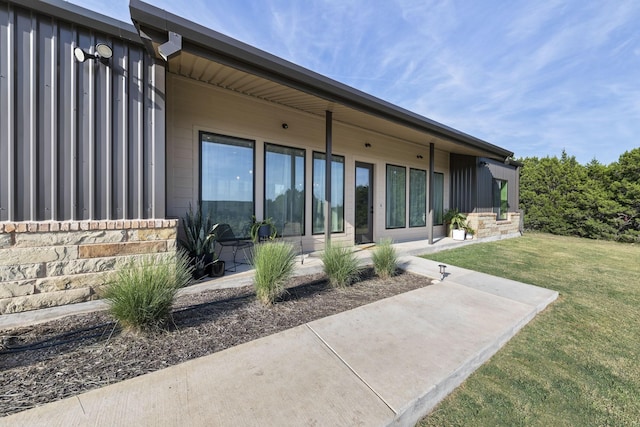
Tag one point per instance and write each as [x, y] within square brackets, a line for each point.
[367, 145]
[285, 126]
[419, 156]
[483, 164]
[442, 272]
[103, 53]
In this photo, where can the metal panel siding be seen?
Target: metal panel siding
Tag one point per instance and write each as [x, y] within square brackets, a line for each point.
[77, 140]
[7, 112]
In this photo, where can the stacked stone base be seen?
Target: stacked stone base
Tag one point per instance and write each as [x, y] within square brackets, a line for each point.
[487, 227]
[46, 264]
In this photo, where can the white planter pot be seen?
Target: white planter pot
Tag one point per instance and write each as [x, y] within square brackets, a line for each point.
[458, 234]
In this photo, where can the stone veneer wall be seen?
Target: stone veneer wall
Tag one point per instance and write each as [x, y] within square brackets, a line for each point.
[51, 263]
[486, 226]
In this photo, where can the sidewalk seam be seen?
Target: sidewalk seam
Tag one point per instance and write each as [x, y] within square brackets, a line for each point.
[344, 362]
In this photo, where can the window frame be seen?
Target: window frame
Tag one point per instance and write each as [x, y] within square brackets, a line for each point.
[313, 204]
[424, 212]
[500, 215]
[435, 222]
[404, 198]
[253, 148]
[304, 186]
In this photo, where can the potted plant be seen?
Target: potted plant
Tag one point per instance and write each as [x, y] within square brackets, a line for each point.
[262, 230]
[199, 240]
[469, 232]
[457, 224]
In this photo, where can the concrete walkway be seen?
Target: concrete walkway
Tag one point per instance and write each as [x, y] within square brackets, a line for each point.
[386, 363]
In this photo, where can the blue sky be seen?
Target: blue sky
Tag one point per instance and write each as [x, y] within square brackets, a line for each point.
[532, 77]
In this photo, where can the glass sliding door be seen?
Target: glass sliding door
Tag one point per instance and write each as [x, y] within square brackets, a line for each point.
[226, 180]
[396, 197]
[319, 193]
[417, 198]
[364, 203]
[284, 187]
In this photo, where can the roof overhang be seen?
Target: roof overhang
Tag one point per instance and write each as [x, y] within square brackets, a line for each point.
[216, 59]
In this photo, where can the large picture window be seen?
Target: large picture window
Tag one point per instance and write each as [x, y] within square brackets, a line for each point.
[438, 198]
[226, 186]
[396, 197]
[319, 193]
[500, 198]
[417, 198]
[284, 188]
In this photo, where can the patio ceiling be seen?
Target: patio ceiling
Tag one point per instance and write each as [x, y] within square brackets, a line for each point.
[215, 59]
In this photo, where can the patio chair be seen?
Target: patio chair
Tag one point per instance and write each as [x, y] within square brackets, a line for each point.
[227, 238]
[294, 229]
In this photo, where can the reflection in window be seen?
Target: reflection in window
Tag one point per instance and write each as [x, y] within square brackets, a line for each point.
[500, 198]
[284, 188]
[438, 198]
[417, 198]
[319, 193]
[226, 187]
[396, 196]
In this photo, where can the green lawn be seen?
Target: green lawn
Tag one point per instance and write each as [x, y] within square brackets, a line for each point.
[578, 362]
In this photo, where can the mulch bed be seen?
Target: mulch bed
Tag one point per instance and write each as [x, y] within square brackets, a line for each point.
[65, 357]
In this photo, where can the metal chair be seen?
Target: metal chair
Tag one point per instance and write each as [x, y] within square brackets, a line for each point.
[227, 238]
[294, 229]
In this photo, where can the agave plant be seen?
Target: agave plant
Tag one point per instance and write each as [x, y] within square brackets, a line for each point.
[199, 238]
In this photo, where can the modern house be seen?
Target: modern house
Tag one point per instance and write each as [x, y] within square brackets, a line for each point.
[110, 131]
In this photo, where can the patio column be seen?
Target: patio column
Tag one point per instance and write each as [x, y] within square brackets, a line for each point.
[430, 193]
[327, 183]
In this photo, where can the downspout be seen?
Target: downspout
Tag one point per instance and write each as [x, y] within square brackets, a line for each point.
[327, 178]
[430, 192]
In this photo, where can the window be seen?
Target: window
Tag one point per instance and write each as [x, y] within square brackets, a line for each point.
[396, 196]
[284, 188]
[226, 180]
[500, 198]
[319, 192]
[417, 198]
[438, 198]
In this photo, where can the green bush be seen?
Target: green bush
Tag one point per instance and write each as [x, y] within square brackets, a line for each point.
[385, 259]
[273, 263]
[142, 292]
[341, 265]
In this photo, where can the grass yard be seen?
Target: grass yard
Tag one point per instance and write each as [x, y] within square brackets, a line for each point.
[575, 364]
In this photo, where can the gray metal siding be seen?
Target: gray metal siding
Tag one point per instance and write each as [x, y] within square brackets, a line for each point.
[77, 140]
[486, 175]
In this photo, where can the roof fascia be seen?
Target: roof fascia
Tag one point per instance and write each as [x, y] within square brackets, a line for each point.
[84, 17]
[205, 42]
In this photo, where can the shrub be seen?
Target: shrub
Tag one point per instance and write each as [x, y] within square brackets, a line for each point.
[273, 263]
[341, 265]
[142, 292]
[385, 259]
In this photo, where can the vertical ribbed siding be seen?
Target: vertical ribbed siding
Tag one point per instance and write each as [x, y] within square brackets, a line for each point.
[77, 140]
[463, 182]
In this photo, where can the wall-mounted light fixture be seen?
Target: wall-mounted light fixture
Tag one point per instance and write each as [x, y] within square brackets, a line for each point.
[483, 164]
[419, 156]
[285, 126]
[103, 53]
[367, 145]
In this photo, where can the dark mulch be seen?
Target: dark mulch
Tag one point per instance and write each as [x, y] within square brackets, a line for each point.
[62, 358]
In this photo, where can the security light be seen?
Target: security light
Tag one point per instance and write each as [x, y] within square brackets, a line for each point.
[103, 53]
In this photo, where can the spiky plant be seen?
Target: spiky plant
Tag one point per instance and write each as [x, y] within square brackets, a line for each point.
[341, 265]
[142, 292]
[273, 262]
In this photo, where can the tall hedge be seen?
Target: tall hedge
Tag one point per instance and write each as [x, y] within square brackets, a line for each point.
[561, 196]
